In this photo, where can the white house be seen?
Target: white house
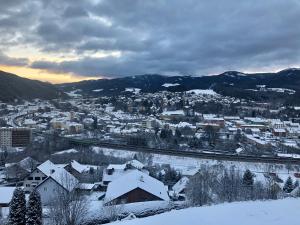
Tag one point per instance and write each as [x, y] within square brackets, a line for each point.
[38, 175]
[58, 182]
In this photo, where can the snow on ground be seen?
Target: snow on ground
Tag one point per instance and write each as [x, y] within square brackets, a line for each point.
[170, 85]
[97, 90]
[97, 211]
[277, 212]
[66, 152]
[296, 156]
[188, 166]
[73, 93]
[202, 92]
[133, 90]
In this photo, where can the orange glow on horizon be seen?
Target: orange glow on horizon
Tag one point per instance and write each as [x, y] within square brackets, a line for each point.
[44, 75]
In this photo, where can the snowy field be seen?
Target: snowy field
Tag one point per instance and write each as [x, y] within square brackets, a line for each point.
[278, 212]
[187, 166]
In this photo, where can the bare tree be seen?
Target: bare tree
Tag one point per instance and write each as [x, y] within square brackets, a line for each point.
[211, 134]
[200, 186]
[68, 207]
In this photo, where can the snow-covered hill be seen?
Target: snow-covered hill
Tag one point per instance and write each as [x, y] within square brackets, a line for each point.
[279, 212]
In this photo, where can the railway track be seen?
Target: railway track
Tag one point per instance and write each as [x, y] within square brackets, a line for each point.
[190, 154]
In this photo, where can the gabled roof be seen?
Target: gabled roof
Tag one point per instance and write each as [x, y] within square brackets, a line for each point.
[47, 167]
[78, 167]
[136, 164]
[63, 178]
[122, 169]
[180, 185]
[117, 166]
[132, 180]
[28, 163]
[86, 186]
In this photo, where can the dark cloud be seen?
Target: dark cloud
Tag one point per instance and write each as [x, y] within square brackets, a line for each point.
[9, 61]
[182, 37]
[75, 11]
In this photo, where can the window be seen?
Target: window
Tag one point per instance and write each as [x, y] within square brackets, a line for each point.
[45, 189]
[44, 178]
[30, 178]
[27, 185]
[37, 178]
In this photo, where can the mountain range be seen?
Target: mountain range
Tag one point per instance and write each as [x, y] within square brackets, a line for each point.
[230, 83]
[13, 87]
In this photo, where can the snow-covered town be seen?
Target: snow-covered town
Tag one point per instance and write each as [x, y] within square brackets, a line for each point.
[94, 150]
[134, 112]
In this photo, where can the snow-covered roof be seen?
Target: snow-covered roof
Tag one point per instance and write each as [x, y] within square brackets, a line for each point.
[72, 150]
[78, 167]
[184, 124]
[28, 163]
[6, 194]
[136, 164]
[202, 92]
[238, 150]
[121, 169]
[170, 113]
[170, 85]
[117, 166]
[85, 186]
[132, 180]
[64, 178]
[180, 185]
[279, 130]
[47, 167]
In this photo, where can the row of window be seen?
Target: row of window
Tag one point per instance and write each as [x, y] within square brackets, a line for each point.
[36, 178]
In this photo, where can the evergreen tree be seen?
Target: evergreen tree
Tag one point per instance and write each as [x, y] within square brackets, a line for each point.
[248, 178]
[34, 209]
[288, 186]
[17, 208]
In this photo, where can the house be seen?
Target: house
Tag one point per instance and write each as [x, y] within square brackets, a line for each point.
[178, 190]
[214, 120]
[172, 115]
[18, 171]
[135, 186]
[28, 164]
[76, 169]
[38, 175]
[14, 172]
[279, 132]
[114, 171]
[59, 182]
[86, 188]
[6, 194]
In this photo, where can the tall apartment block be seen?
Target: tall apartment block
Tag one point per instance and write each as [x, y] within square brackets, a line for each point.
[14, 137]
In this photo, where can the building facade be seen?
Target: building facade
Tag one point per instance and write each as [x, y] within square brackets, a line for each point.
[15, 137]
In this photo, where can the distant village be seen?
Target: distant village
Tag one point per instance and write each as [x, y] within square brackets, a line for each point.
[48, 146]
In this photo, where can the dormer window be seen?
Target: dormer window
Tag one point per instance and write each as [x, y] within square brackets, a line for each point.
[110, 171]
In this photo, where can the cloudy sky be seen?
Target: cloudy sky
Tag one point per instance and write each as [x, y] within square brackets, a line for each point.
[70, 40]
